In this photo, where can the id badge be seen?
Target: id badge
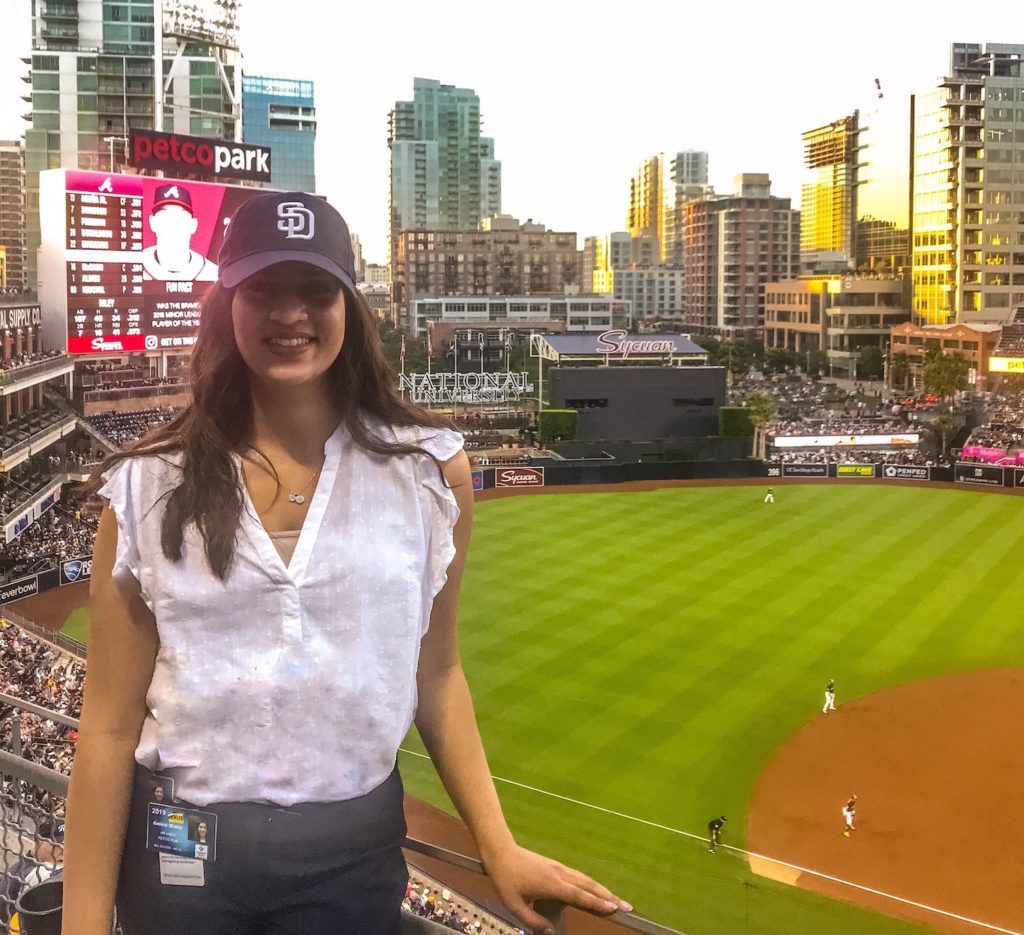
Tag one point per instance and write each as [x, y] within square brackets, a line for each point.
[183, 832]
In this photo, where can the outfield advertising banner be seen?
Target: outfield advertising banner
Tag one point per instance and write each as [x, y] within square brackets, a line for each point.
[906, 472]
[805, 470]
[76, 569]
[986, 474]
[478, 480]
[23, 587]
[1018, 477]
[855, 470]
[519, 477]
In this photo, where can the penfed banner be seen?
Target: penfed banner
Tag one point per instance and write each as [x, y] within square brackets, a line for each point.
[906, 472]
[988, 475]
[855, 470]
[805, 470]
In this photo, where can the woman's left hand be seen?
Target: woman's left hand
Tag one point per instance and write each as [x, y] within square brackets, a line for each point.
[521, 877]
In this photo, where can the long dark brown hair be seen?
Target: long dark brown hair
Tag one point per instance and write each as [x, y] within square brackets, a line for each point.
[219, 422]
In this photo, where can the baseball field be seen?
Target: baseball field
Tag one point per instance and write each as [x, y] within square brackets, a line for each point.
[644, 661]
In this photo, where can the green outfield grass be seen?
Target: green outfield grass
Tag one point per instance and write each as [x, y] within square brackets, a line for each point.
[647, 653]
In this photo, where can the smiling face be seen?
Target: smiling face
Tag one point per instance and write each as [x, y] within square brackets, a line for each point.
[201, 832]
[289, 323]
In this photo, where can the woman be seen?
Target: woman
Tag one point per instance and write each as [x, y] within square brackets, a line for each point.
[274, 591]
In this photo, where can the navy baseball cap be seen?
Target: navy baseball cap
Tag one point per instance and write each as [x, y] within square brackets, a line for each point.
[171, 195]
[279, 226]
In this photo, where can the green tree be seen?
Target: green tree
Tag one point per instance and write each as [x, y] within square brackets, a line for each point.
[899, 371]
[945, 374]
[778, 360]
[815, 362]
[763, 410]
[870, 363]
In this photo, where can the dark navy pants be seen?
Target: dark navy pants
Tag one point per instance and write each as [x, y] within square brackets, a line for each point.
[327, 868]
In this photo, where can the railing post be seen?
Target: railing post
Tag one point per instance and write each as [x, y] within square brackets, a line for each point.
[16, 734]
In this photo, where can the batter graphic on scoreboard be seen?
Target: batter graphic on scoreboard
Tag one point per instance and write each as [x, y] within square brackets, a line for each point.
[172, 257]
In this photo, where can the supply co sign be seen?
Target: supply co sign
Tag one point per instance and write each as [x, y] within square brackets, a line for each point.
[519, 477]
[192, 155]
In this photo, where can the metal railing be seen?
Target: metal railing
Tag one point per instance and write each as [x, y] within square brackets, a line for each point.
[30, 794]
[71, 646]
[135, 392]
[16, 374]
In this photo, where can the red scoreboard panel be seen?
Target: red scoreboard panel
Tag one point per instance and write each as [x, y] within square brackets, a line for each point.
[126, 260]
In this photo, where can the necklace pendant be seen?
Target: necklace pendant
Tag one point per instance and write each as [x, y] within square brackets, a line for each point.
[296, 498]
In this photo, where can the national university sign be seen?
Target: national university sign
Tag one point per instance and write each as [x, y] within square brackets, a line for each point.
[465, 387]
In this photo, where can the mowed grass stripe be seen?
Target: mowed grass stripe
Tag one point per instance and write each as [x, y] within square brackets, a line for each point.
[649, 651]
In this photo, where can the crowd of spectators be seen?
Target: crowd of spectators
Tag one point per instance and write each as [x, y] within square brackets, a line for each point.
[64, 531]
[33, 671]
[439, 905]
[854, 456]
[1004, 425]
[23, 360]
[125, 428]
[839, 426]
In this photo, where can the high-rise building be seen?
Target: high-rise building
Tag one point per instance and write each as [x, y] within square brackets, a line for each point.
[281, 113]
[828, 203]
[444, 175]
[734, 245]
[838, 315]
[12, 213]
[602, 256]
[882, 246]
[93, 67]
[657, 192]
[502, 257]
[967, 188]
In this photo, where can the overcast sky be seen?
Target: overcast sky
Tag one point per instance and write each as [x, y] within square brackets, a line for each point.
[576, 92]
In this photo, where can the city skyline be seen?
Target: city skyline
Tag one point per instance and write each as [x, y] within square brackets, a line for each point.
[570, 119]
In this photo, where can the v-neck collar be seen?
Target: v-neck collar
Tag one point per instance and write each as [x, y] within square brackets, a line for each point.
[295, 570]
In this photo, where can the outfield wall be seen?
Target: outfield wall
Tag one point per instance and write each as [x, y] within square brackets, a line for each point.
[549, 473]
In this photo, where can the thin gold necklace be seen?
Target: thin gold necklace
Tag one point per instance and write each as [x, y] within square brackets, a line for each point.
[297, 497]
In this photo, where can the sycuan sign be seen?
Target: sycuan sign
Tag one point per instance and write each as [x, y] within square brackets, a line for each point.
[193, 155]
[619, 342]
[519, 477]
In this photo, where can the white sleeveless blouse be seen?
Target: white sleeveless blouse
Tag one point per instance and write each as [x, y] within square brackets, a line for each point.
[291, 684]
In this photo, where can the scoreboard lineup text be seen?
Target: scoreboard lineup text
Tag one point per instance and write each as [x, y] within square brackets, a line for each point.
[104, 295]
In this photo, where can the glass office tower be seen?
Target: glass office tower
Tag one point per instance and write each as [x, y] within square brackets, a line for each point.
[280, 113]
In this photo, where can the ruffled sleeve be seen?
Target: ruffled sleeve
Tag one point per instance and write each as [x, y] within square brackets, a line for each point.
[442, 511]
[443, 444]
[118, 486]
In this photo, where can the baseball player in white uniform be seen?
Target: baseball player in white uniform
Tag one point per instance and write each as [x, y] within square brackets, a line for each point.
[830, 697]
[849, 813]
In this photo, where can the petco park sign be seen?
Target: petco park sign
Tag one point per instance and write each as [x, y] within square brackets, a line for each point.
[465, 387]
[192, 155]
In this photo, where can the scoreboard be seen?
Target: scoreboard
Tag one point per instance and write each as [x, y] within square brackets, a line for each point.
[127, 260]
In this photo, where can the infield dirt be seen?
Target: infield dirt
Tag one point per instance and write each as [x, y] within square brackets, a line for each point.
[936, 768]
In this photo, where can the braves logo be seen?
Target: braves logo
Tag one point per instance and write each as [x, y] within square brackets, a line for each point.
[295, 220]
